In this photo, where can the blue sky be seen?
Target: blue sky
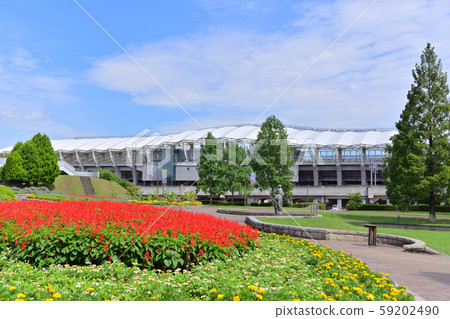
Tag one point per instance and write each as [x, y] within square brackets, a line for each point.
[222, 62]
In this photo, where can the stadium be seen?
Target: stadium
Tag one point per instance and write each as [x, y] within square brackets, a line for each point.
[330, 163]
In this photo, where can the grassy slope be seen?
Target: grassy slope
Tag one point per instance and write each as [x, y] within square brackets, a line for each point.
[434, 239]
[68, 185]
[107, 188]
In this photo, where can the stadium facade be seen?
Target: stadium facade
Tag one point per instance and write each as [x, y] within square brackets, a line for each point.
[330, 163]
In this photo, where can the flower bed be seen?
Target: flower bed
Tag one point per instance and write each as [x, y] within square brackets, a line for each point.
[280, 268]
[73, 232]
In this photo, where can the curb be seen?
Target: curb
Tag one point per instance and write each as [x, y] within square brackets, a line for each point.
[408, 244]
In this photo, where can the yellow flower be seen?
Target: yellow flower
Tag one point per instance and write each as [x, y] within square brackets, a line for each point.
[56, 296]
[220, 296]
[12, 288]
[50, 299]
[20, 300]
[345, 288]
[153, 298]
[213, 290]
[295, 299]
[394, 299]
[236, 298]
[370, 297]
[261, 291]
[259, 297]
[252, 287]
[90, 289]
[51, 290]
[20, 296]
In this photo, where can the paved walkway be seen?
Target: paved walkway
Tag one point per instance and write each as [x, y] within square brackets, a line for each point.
[428, 276]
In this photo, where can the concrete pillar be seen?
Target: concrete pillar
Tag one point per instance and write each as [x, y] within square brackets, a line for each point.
[315, 167]
[134, 173]
[316, 174]
[117, 171]
[338, 167]
[339, 203]
[363, 166]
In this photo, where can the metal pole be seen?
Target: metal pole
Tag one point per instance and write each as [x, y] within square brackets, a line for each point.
[245, 194]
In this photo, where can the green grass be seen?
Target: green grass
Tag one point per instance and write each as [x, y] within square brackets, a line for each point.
[263, 208]
[434, 239]
[396, 212]
[68, 185]
[104, 187]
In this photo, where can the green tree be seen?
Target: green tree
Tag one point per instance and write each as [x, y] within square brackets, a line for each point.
[13, 171]
[355, 201]
[237, 172]
[48, 168]
[31, 162]
[418, 168]
[211, 169]
[272, 157]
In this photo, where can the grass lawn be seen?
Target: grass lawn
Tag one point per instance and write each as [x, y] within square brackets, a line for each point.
[438, 240]
[262, 208]
[396, 212]
[103, 187]
[68, 185]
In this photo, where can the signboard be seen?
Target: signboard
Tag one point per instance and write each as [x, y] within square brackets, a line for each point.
[164, 177]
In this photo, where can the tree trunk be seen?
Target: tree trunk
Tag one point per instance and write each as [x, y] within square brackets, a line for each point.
[232, 198]
[210, 199]
[432, 216]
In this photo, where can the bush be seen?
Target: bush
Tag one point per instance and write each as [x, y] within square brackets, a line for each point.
[189, 196]
[355, 201]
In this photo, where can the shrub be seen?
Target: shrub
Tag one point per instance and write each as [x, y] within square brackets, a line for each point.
[189, 196]
[170, 196]
[355, 201]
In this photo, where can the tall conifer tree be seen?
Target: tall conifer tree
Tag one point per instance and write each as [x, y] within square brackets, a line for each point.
[418, 168]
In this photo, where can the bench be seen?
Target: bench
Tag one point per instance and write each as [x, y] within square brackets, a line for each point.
[372, 234]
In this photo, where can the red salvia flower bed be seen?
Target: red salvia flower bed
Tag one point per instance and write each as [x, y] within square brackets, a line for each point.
[75, 232]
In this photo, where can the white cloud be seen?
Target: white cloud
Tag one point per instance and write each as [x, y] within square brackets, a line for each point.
[362, 81]
[29, 97]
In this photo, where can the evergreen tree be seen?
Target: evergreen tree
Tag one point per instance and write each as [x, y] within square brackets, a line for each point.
[211, 169]
[13, 171]
[48, 168]
[272, 157]
[418, 169]
[236, 172]
[31, 162]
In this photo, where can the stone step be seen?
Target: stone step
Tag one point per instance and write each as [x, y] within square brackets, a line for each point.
[87, 186]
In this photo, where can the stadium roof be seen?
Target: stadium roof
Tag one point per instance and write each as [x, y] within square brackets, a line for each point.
[298, 136]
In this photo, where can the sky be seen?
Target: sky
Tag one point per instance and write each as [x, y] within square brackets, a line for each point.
[78, 68]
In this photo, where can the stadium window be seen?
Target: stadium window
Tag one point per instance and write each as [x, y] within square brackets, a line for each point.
[327, 154]
[351, 154]
[375, 153]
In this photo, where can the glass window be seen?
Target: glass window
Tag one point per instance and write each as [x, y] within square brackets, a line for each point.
[350, 154]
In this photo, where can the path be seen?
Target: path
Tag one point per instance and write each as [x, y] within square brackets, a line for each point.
[426, 275]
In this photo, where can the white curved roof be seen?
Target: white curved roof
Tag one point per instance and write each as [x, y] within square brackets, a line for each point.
[296, 136]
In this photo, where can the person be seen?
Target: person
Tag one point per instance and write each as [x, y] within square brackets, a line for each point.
[278, 200]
